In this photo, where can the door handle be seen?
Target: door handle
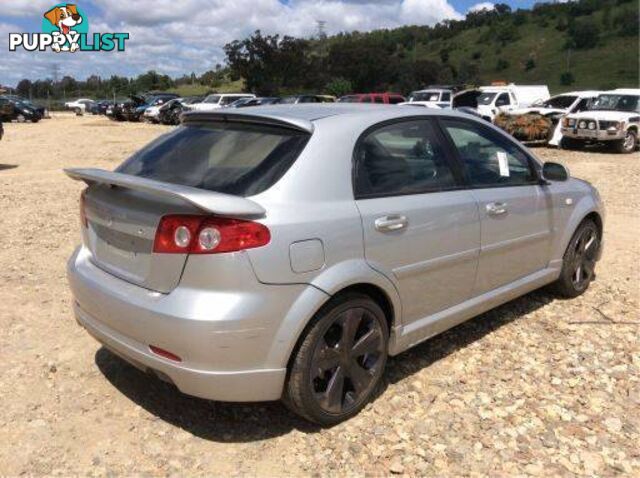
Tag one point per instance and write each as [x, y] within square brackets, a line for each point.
[391, 223]
[496, 208]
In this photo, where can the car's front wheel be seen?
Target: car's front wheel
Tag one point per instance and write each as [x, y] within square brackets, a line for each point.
[628, 144]
[579, 261]
[338, 366]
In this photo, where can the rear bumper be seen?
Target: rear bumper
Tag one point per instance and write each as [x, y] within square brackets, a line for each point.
[245, 386]
[225, 338]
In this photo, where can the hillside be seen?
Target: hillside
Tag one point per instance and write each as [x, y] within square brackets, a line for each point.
[574, 45]
[613, 62]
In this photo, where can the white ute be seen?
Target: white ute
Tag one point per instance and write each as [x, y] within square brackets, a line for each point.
[613, 119]
[503, 99]
[219, 100]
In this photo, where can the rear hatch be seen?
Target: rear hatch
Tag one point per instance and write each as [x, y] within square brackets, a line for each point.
[203, 168]
[121, 227]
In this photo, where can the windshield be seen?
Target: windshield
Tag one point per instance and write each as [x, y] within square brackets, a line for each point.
[562, 102]
[212, 99]
[288, 100]
[425, 96]
[231, 158]
[349, 99]
[617, 103]
[486, 98]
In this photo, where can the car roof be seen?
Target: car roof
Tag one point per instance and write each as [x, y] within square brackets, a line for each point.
[581, 94]
[302, 116]
[625, 91]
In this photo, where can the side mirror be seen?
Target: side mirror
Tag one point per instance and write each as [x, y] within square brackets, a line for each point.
[554, 172]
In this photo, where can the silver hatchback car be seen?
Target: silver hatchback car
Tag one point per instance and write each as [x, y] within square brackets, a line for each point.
[286, 252]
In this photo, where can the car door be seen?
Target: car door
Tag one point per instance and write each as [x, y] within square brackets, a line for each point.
[421, 227]
[515, 212]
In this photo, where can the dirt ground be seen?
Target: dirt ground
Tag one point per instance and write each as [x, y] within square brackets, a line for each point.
[539, 386]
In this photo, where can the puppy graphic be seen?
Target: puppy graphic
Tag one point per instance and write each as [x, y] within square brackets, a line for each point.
[65, 18]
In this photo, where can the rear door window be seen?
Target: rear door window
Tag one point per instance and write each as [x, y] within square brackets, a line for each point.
[401, 158]
[232, 158]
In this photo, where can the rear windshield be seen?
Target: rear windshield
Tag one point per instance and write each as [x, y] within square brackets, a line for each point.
[231, 158]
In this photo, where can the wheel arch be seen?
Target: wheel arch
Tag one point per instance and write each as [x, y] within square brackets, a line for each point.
[354, 276]
[585, 210]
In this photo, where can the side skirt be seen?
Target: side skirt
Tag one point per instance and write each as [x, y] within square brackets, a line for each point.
[427, 327]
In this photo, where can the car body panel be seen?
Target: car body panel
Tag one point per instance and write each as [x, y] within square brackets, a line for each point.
[235, 318]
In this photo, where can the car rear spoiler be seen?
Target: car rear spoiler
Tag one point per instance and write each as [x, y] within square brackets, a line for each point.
[225, 115]
[209, 201]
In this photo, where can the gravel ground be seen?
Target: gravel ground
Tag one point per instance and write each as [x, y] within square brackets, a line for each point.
[539, 386]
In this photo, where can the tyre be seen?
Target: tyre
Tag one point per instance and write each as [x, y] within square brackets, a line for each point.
[78, 112]
[338, 365]
[628, 144]
[570, 143]
[579, 261]
[21, 119]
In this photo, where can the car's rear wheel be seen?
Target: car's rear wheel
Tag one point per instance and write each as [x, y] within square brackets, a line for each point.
[21, 119]
[628, 144]
[579, 261]
[338, 366]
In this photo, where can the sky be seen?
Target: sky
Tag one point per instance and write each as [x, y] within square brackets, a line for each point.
[177, 37]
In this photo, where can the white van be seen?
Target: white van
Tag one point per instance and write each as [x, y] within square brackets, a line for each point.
[491, 100]
[431, 98]
[219, 100]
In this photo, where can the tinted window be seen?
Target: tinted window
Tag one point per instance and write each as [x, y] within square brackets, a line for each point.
[503, 100]
[488, 159]
[446, 97]
[583, 105]
[231, 158]
[402, 158]
[486, 98]
[561, 102]
[394, 100]
[378, 99]
[212, 99]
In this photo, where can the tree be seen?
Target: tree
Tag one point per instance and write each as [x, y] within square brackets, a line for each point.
[268, 63]
[566, 78]
[502, 64]
[24, 88]
[338, 87]
[582, 35]
[530, 64]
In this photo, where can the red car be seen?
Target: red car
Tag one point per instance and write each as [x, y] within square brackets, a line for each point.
[381, 98]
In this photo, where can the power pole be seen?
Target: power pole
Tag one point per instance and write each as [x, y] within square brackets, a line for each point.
[320, 29]
[55, 72]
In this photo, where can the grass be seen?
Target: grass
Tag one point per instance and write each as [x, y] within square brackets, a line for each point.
[200, 90]
[614, 63]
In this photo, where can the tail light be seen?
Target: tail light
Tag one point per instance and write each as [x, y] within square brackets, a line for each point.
[83, 213]
[192, 234]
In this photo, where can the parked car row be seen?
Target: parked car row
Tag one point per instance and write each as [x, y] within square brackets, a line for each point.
[528, 112]
[17, 108]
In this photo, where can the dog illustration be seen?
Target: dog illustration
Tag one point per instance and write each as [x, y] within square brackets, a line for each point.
[65, 18]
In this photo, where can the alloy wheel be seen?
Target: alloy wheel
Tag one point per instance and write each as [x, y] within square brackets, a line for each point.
[347, 361]
[629, 142]
[584, 259]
